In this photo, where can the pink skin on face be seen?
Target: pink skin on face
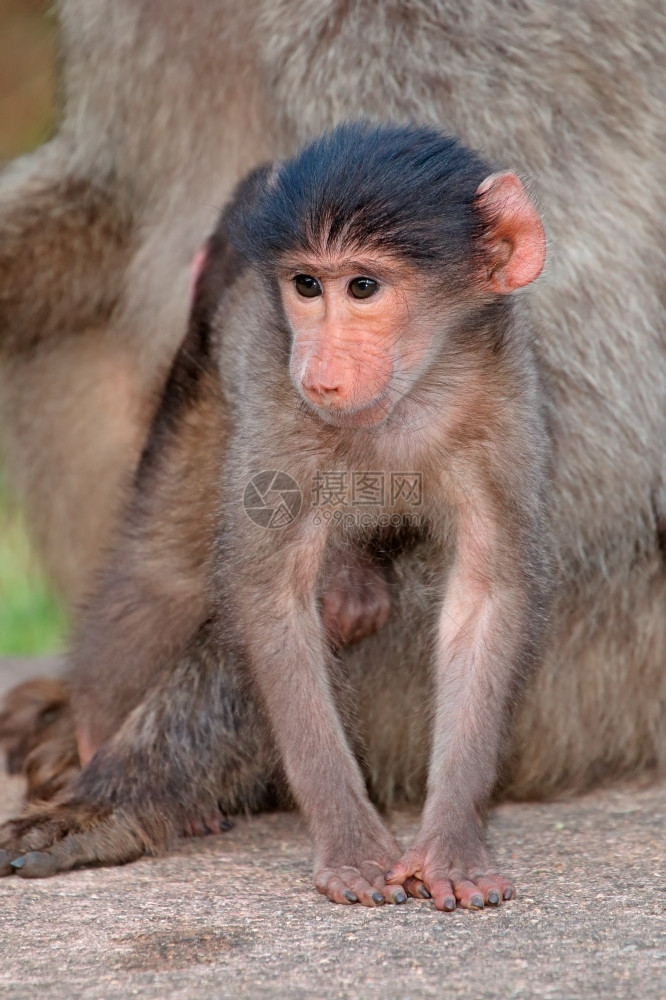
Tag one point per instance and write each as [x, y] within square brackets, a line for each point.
[346, 351]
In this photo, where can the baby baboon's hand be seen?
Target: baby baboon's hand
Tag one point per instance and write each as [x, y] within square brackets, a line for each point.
[466, 879]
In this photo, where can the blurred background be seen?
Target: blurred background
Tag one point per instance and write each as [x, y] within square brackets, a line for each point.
[31, 620]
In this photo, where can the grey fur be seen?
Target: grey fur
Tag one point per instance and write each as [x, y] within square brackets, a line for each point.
[571, 93]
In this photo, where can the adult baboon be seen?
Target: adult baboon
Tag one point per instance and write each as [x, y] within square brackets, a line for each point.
[161, 116]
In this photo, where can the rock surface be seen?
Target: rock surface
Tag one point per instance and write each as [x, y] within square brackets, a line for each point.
[236, 915]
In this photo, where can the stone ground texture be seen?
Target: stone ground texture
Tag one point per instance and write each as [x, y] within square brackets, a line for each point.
[236, 915]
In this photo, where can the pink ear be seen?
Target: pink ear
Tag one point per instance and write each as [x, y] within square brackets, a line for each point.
[515, 242]
[196, 268]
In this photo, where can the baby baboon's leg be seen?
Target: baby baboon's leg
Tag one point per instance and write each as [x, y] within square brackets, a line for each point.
[195, 745]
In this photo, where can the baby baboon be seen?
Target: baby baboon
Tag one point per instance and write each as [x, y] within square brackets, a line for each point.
[373, 278]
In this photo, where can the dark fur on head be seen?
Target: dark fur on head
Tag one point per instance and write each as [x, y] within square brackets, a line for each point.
[406, 191]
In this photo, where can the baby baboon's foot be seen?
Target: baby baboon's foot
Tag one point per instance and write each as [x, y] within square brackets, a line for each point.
[214, 823]
[37, 735]
[67, 835]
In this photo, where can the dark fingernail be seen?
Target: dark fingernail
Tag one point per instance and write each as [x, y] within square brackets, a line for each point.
[508, 893]
[351, 896]
[377, 897]
[493, 897]
[35, 864]
[449, 904]
[400, 897]
[207, 830]
[423, 892]
[477, 901]
[389, 875]
[226, 824]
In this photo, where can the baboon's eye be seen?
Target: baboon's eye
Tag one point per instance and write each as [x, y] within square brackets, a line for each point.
[362, 288]
[307, 286]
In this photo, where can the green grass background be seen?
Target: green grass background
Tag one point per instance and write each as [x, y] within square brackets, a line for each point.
[31, 619]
